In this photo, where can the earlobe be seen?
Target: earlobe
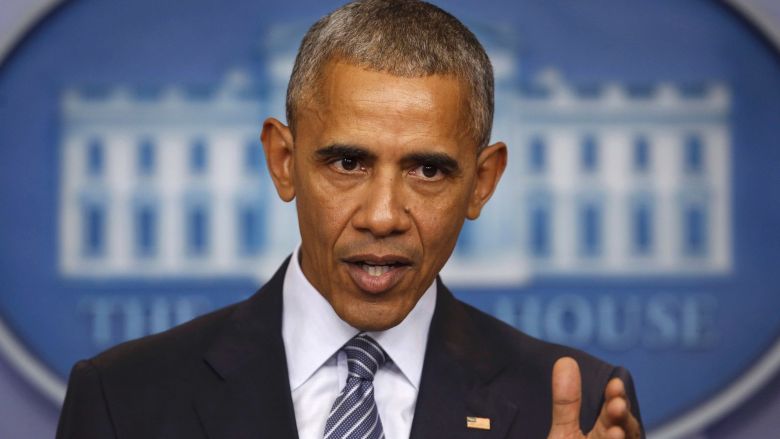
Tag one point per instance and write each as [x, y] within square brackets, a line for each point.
[491, 163]
[278, 146]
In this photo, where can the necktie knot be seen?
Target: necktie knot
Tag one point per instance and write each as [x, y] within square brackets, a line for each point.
[354, 413]
[364, 357]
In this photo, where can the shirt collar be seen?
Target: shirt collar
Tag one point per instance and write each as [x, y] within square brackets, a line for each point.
[313, 332]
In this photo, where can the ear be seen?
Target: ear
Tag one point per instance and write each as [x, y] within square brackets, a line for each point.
[491, 162]
[278, 146]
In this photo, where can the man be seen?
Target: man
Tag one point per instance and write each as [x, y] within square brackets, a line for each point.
[387, 153]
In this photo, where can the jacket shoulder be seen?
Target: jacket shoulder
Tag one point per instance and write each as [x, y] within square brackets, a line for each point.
[167, 352]
[148, 374]
[167, 349]
[527, 374]
[519, 347]
[152, 379]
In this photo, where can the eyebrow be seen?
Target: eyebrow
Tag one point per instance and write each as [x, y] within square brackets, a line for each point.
[340, 150]
[443, 161]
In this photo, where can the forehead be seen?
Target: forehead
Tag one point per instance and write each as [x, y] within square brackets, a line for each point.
[353, 101]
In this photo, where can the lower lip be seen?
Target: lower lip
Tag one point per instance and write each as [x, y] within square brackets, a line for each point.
[376, 284]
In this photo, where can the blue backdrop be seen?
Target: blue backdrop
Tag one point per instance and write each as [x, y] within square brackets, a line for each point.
[636, 219]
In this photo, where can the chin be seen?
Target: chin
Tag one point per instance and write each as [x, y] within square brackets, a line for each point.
[374, 326]
[370, 319]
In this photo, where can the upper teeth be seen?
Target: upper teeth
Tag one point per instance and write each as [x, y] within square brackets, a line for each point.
[375, 270]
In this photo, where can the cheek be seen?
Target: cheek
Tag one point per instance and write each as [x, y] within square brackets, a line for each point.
[324, 210]
[439, 222]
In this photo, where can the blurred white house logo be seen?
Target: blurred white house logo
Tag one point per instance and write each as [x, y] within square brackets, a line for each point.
[604, 180]
[612, 229]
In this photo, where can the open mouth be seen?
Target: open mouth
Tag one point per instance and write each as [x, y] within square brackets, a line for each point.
[375, 274]
[378, 270]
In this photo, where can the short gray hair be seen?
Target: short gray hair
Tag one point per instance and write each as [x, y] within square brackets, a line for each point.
[408, 38]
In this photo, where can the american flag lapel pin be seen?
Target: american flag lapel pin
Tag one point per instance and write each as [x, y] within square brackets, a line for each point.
[477, 423]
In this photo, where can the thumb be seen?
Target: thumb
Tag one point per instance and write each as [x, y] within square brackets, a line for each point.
[566, 396]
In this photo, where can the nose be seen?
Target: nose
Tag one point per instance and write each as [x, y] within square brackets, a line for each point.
[382, 210]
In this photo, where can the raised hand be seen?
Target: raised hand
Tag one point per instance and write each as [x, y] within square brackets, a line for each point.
[615, 420]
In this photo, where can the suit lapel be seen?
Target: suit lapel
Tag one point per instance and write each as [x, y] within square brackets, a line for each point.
[251, 396]
[456, 378]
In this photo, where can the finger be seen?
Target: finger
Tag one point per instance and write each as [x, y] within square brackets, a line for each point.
[615, 433]
[626, 424]
[616, 410]
[613, 413]
[615, 388]
[632, 428]
[566, 397]
[604, 422]
[625, 419]
[620, 412]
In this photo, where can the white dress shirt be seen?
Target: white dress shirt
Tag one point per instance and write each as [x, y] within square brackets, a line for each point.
[313, 334]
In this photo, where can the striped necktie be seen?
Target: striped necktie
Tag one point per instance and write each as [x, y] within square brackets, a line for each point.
[354, 414]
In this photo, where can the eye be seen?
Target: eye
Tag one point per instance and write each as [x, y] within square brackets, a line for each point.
[428, 172]
[349, 163]
[346, 164]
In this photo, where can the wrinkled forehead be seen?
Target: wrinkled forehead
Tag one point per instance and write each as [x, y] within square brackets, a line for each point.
[353, 97]
[350, 93]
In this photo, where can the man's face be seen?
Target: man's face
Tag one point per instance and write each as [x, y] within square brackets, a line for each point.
[385, 172]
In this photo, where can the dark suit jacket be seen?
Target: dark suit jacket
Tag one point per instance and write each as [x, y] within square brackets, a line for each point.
[224, 376]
